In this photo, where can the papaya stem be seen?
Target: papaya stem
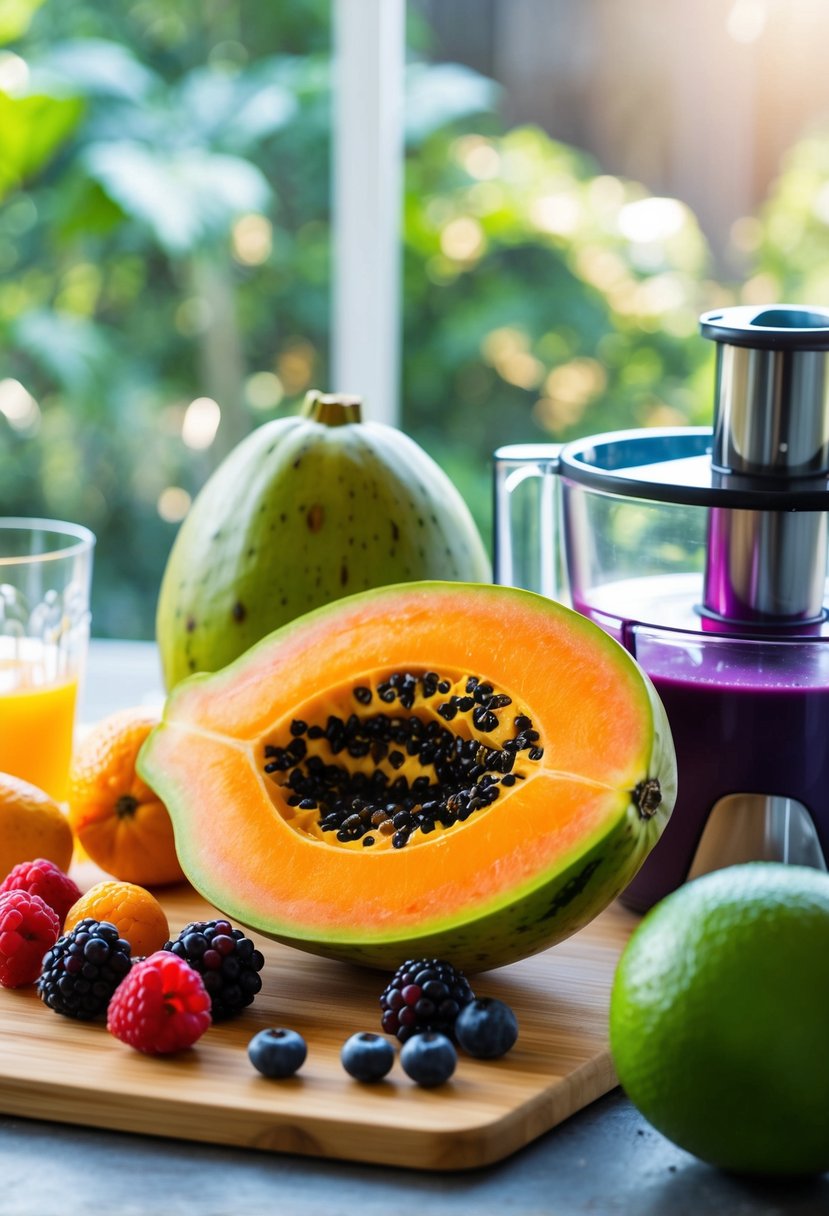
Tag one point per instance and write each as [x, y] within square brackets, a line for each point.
[648, 798]
[332, 409]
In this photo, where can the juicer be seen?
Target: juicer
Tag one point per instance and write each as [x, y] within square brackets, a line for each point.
[704, 552]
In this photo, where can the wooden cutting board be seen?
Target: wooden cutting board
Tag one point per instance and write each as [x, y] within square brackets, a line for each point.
[57, 1069]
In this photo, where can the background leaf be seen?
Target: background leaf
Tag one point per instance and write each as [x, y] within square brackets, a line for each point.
[439, 94]
[31, 129]
[16, 17]
[183, 197]
[234, 110]
[94, 67]
[71, 350]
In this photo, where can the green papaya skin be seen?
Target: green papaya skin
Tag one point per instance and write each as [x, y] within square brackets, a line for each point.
[304, 511]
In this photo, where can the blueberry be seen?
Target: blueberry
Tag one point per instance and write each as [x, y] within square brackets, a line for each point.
[366, 1056]
[428, 1058]
[486, 1028]
[277, 1052]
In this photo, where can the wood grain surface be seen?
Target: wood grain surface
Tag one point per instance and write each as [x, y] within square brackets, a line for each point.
[57, 1069]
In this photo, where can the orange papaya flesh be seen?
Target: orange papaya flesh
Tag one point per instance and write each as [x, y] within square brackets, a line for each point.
[519, 835]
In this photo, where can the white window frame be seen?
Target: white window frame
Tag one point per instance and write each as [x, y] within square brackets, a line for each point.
[368, 145]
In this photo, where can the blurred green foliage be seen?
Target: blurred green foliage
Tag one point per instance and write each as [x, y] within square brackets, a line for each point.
[543, 299]
[168, 241]
[125, 294]
[787, 243]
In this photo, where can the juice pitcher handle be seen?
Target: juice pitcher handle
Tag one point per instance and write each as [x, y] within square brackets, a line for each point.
[526, 514]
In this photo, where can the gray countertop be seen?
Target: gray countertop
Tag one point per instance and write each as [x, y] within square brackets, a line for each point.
[603, 1161]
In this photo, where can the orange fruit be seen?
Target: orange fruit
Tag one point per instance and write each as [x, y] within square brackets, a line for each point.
[31, 825]
[718, 1018]
[117, 818]
[136, 914]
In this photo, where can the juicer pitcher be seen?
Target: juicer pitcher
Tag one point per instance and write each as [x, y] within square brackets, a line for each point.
[704, 552]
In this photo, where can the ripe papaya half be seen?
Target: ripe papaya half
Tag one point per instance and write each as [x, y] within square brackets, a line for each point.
[464, 771]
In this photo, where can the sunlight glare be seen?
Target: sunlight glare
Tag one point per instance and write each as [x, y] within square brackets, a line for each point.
[18, 405]
[14, 74]
[652, 219]
[252, 239]
[173, 504]
[462, 239]
[201, 422]
[746, 20]
[264, 390]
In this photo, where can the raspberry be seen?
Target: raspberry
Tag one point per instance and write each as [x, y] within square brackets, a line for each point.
[83, 969]
[226, 960]
[162, 1006]
[44, 878]
[425, 994]
[28, 927]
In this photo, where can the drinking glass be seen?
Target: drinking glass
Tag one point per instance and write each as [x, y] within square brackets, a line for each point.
[45, 574]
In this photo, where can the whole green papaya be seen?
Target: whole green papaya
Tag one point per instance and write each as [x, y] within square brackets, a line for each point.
[303, 511]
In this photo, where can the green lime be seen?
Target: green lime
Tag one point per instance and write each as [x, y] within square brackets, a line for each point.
[719, 1018]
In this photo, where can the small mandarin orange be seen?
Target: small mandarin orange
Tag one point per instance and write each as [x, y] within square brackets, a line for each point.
[31, 825]
[136, 914]
[117, 818]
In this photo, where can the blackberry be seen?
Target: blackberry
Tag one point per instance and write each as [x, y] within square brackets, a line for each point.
[227, 961]
[425, 994]
[82, 970]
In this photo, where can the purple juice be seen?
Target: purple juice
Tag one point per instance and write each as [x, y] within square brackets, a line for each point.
[748, 716]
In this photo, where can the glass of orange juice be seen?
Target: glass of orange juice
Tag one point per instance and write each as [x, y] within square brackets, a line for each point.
[45, 574]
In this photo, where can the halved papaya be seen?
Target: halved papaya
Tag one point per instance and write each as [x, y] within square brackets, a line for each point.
[455, 770]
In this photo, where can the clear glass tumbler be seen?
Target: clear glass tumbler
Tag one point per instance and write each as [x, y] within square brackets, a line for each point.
[45, 576]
